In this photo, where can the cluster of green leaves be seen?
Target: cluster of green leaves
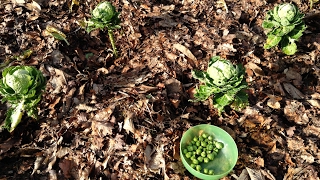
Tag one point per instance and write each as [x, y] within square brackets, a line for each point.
[284, 25]
[202, 149]
[105, 16]
[21, 87]
[225, 81]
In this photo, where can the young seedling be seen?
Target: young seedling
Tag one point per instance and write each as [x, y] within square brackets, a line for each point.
[105, 16]
[21, 87]
[283, 25]
[225, 81]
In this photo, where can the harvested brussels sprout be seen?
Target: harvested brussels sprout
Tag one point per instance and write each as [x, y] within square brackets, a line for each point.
[201, 150]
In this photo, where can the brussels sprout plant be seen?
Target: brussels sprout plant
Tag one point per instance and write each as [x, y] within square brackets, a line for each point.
[225, 81]
[21, 87]
[105, 16]
[284, 25]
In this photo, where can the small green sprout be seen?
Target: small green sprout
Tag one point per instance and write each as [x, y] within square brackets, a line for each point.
[284, 25]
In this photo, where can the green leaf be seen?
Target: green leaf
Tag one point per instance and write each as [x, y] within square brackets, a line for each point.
[272, 41]
[221, 100]
[240, 101]
[14, 116]
[283, 30]
[297, 32]
[290, 48]
[270, 24]
[203, 93]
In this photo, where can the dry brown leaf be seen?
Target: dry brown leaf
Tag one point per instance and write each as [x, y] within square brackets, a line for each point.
[294, 76]
[259, 162]
[288, 160]
[188, 53]
[255, 174]
[66, 166]
[33, 6]
[255, 68]
[307, 172]
[128, 124]
[293, 91]
[314, 102]
[312, 130]
[86, 108]
[148, 153]
[101, 129]
[104, 114]
[290, 131]
[157, 161]
[273, 101]
[37, 164]
[295, 143]
[295, 111]
[307, 157]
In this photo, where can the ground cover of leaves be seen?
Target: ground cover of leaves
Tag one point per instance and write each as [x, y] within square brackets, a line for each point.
[106, 118]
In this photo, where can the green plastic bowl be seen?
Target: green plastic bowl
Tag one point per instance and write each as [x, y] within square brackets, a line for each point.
[225, 160]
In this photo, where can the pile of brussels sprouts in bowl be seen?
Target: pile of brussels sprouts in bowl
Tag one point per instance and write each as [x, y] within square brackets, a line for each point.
[208, 152]
[202, 149]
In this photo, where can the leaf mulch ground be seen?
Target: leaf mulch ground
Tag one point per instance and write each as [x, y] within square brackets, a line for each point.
[106, 118]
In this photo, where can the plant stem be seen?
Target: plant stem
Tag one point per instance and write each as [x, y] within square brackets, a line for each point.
[111, 38]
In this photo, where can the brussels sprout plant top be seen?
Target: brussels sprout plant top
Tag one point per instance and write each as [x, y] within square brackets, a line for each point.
[225, 81]
[21, 87]
[105, 16]
[284, 25]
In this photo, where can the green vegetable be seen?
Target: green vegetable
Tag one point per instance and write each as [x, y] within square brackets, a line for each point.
[210, 156]
[211, 172]
[284, 25]
[204, 153]
[195, 139]
[203, 144]
[189, 154]
[195, 161]
[205, 170]
[225, 81]
[105, 16]
[185, 151]
[22, 88]
[193, 166]
[206, 160]
[219, 145]
[198, 167]
[200, 159]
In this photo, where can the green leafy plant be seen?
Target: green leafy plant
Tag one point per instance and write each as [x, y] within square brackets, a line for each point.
[21, 87]
[105, 16]
[225, 81]
[284, 24]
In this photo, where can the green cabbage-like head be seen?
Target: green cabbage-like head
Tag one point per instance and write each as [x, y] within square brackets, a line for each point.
[104, 11]
[21, 80]
[287, 11]
[221, 71]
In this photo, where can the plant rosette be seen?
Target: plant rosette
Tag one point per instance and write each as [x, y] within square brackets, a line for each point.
[225, 81]
[22, 88]
[284, 25]
[223, 161]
